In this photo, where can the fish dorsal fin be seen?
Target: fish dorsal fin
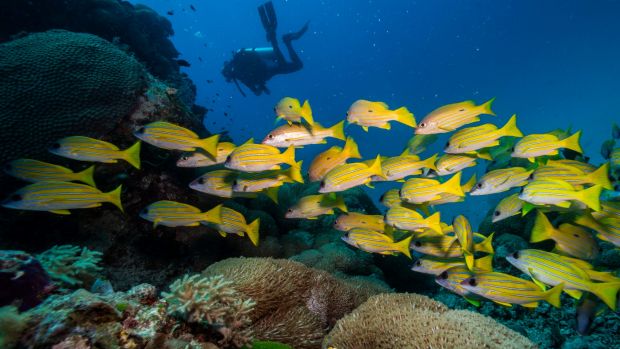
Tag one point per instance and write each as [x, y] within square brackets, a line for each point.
[249, 141]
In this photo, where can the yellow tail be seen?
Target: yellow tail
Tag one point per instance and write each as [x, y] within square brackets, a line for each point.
[252, 230]
[375, 168]
[453, 185]
[272, 193]
[86, 176]
[434, 222]
[510, 129]
[430, 162]
[553, 295]
[132, 155]
[288, 157]
[306, 113]
[484, 264]
[572, 142]
[606, 291]
[601, 177]
[486, 245]
[403, 246]
[590, 197]
[338, 130]
[469, 259]
[469, 184]
[114, 197]
[542, 228]
[351, 149]
[339, 203]
[404, 116]
[486, 107]
[209, 144]
[294, 173]
[214, 215]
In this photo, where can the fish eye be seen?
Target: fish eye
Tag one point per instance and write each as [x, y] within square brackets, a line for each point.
[322, 184]
[522, 190]
[290, 210]
[496, 213]
[55, 145]
[328, 158]
[479, 185]
[235, 182]
[347, 113]
[270, 136]
[417, 244]
[228, 158]
[515, 255]
[512, 149]
[472, 282]
[201, 180]
[184, 158]
[443, 275]
[16, 197]
[400, 193]
[140, 130]
[370, 110]
[447, 144]
[576, 235]
[245, 188]
[417, 263]
[381, 197]
[531, 176]
[290, 107]
[422, 125]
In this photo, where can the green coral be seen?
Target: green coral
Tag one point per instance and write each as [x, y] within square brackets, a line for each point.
[70, 266]
[12, 324]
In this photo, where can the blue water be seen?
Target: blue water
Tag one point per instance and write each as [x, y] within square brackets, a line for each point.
[553, 63]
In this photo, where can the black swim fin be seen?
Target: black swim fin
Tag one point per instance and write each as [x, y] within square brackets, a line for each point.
[296, 35]
[268, 18]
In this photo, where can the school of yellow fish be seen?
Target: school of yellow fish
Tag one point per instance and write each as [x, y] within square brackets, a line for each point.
[563, 191]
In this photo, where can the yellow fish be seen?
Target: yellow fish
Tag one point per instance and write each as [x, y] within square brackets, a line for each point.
[348, 221]
[291, 110]
[60, 197]
[198, 159]
[376, 242]
[447, 246]
[449, 164]
[499, 181]
[465, 237]
[233, 222]
[218, 183]
[351, 175]
[507, 207]
[435, 266]
[377, 114]
[299, 135]
[90, 149]
[582, 166]
[38, 171]
[312, 206]
[446, 198]
[174, 137]
[421, 190]
[398, 167]
[405, 219]
[608, 209]
[331, 158]
[559, 193]
[573, 175]
[570, 239]
[452, 116]
[532, 146]
[251, 157]
[176, 214]
[451, 280]
[257, 181]
[468, 140]
[391, 198]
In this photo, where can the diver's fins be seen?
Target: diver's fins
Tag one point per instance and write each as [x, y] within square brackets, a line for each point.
[268, 17]
[296, 35]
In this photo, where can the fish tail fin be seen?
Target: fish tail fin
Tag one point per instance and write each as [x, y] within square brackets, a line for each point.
[306, 113]
[86, 176]
[433, 222]
[541, 229]
[288, 157]
[209, 144]
[214, 215]
[607, 292]
[253, 230]
[272, 193]
[553, 295]
[601, 177]
[486, 245]
[572, 142]
[403, 246]
[486, 107]
[294, 173]
[404, 116]
[375, 168]
[350, 147]
[132, 155]
[453, 185]
[430, 163]
[469, 184]
[484, 264]
[511, 129]
[114, 197]
[590, 197]
[338, 130]
[340, 204]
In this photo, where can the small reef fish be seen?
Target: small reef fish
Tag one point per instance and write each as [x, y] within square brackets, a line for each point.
[452, 116]
[398, 167]
[60, 197]
[347, 176]
[218, 183]
[348, 221]
[421, 190]
[608, 209]
[435, 266]
[582, 166]
[574, 175]
[451, 280]
[251, 157]
[611, 230]
[449, 164]
[377, 114]
[570, 239]
[198, 159]
[498, 181]
[506, 290]
[391, 198]
[90, 149]
[446, 246]
[507, 207]
[331, 158]
[176, 214]
[312, 206]
[291, 110]
[233, 222]
[470, 139]
[173, 137]
[405, 219]
[465, 237]
[376, 242]
[446, 198]
[552, 269]
[38, 171]
[299, 135]
[253, 182]
[535, 145]
[559, 193]
[418, 143]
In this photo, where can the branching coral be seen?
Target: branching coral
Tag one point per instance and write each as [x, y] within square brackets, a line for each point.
[212, 301]
[70, 266]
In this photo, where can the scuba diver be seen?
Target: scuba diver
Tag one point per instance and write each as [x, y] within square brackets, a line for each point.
[255, 66]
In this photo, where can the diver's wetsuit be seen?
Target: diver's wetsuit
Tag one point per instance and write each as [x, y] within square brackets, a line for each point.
[254, 67]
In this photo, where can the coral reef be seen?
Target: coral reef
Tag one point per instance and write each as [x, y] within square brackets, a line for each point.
[71, 266]
[12, 324]
[22, 280]
[415, 321]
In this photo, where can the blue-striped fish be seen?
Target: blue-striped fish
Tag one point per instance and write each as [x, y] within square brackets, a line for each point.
[60, 197]
[405, 219]
[398, 167]
[252, 182]
[507, 207]
[218, 183]
[350, 220]
[506, 290]
[498, 181]
[312, 206]
[582, 166]
[559, 193]
[611, 230]
[470, 139]
[38, 171]
[299, 135]
[465, 236]
[90, 149]
[552, 269]
[174, 137]
[351, 175]
[199, 159]
[289, 109]
[446, 198]
[331, 158]
[535, 145]
[251, 157]
[608, 209]
[391, 198]
[447, 246]
[377, 114]
[452, 116]
[573, 175]
[376, 242]
[177, 214]
[435, 265]
[421, 190]
[233, 222]
[449, 164]
[451, 279]
[570, 239]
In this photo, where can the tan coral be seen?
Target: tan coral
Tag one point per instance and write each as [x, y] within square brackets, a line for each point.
[410, 321]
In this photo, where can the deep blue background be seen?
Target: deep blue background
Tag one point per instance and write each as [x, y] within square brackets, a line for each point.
[554, 63]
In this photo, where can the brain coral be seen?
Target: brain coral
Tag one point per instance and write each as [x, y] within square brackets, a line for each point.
[409, 321]
[58, 83]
